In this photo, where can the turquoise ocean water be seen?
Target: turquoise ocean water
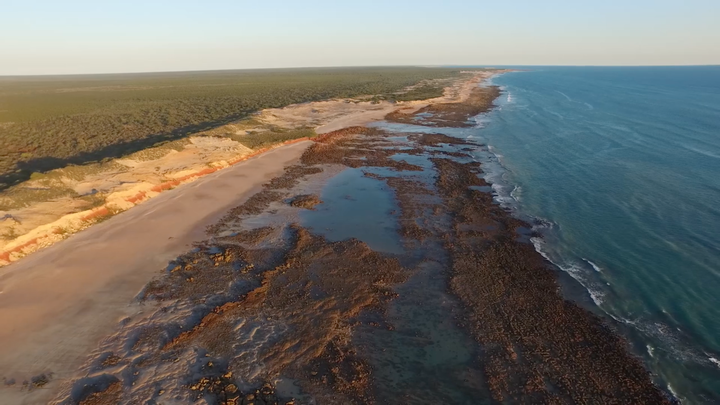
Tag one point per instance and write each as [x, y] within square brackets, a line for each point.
[620, 170]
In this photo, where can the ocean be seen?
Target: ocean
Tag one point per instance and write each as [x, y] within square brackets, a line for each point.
[619, 170]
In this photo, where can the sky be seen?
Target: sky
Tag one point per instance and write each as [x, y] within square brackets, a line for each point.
[107, 36]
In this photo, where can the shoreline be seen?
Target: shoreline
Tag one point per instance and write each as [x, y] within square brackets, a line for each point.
[302, 314]
[610, 278]
[247, 313]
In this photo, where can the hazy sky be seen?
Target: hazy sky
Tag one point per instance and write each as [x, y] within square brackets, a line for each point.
[39, 37]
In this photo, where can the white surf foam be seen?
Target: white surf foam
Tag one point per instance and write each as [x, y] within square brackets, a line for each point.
[516, 192]
[596, 297]
[538, 243]
[574, 270]
[491, 149]
[593, 265]
[481, 121]
[502, 195]
[669, 342]
[672, 343]
[504, 192]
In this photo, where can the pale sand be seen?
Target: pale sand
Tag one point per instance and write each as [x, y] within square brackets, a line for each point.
[58, 303]
[357, 119]
[121, 183]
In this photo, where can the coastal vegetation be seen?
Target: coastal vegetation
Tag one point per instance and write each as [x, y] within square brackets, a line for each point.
[51, 122]
[256, 140]
[424, 92]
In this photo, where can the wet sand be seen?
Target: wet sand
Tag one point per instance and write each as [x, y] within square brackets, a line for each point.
[60, 302]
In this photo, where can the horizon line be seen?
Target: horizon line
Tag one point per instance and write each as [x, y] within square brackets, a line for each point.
[488, 66]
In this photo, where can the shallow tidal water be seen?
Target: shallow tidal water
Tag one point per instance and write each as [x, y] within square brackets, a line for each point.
[418, 352]
[620, 168]
[355, 206]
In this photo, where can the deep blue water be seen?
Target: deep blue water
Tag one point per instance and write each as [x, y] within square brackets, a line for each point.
[624, 165]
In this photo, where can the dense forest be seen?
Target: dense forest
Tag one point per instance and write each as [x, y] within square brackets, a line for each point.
[49, 122]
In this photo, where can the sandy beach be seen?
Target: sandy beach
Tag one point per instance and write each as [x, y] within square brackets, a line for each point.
[57, 304]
